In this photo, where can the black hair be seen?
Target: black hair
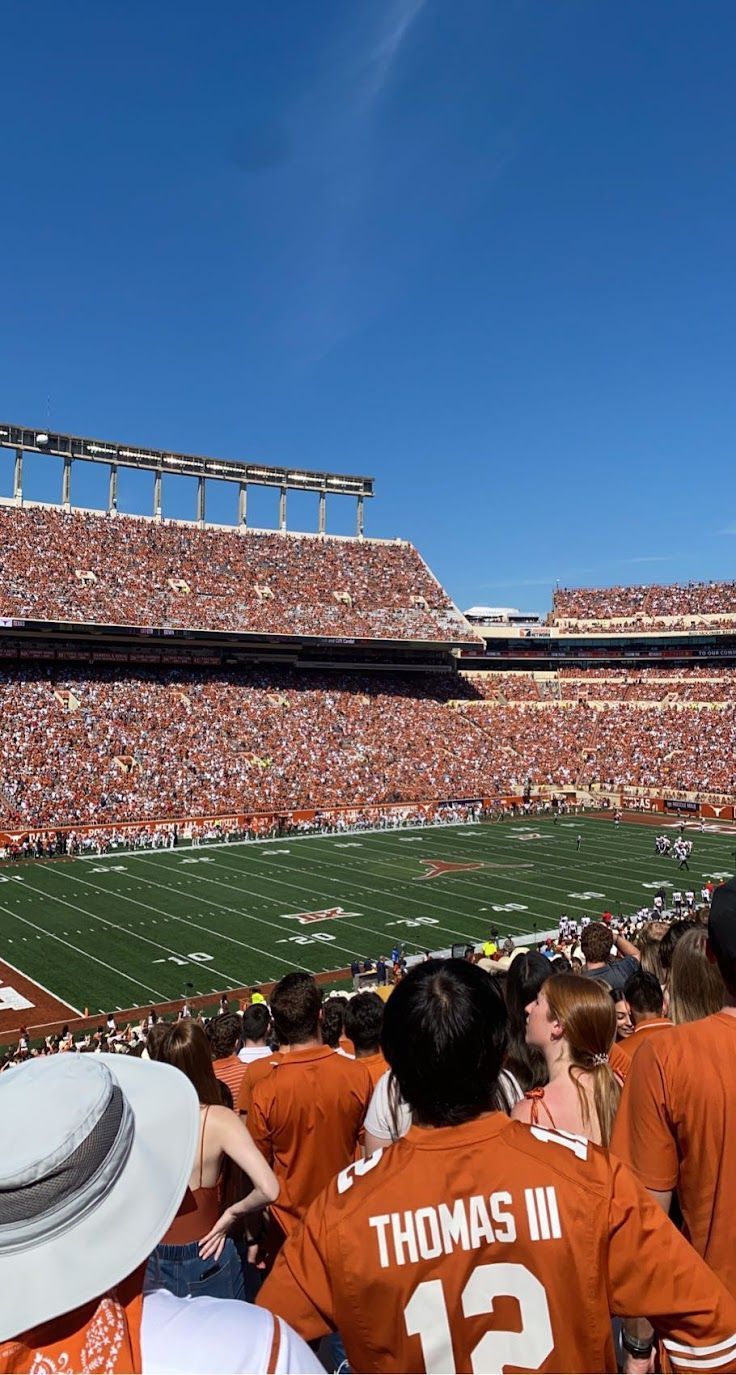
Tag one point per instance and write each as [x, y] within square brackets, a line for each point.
[333, 1022]
[295, 1007]
[256, 1022]
[643, 993]
[444, 1036]
[525, 977]
[363, 1022]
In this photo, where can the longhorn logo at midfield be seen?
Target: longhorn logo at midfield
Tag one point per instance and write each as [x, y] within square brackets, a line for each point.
[436, 867]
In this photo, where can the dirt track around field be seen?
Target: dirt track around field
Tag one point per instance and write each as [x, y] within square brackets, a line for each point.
[25, 1003]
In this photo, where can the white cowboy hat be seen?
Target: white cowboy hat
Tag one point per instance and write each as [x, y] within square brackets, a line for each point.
[95, 1157]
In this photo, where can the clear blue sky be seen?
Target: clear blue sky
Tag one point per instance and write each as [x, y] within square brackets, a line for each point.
[480, 249]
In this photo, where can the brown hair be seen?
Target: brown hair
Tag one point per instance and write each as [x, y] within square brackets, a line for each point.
[595, 942]
[650, 955]
[186, 1048]
[585, 1010]
[296, 1003]
[695, 986]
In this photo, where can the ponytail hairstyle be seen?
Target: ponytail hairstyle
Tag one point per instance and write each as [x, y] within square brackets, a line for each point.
[585, 1010]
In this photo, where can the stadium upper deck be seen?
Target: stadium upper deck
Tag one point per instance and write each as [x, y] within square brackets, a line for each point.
[94, 569]
[617, 610]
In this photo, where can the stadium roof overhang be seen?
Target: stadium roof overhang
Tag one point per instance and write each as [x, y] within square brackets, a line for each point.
[29, 440]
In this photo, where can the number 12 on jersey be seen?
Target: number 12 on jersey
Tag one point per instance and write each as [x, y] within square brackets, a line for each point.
[427, 1318]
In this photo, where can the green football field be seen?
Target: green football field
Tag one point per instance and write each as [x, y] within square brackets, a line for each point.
[128, 930]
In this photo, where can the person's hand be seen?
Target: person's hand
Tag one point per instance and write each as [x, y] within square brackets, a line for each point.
[639, 1365]
[211, 1245]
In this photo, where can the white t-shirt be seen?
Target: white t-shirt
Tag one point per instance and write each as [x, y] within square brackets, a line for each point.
[379, 1120]
[250, 1053]
[221, 1336]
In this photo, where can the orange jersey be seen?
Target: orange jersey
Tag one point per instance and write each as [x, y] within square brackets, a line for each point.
[618, 1060]
[254, 1072]
[305, 1117]
[633, 1043]
[676, 1128]
[494, 1246]
[376, 1066]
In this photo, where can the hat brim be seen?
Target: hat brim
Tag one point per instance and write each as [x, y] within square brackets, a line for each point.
[58, 1275]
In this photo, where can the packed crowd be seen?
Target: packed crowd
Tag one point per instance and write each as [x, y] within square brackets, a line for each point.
[100, 747]
[652, 607]
[329, 1162]
[129, 746]
[60, 565]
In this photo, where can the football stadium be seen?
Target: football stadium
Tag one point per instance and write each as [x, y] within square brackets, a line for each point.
[232, 752]
[357, 866]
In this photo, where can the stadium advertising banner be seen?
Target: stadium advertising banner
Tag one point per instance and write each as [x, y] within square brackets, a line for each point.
[684, 805]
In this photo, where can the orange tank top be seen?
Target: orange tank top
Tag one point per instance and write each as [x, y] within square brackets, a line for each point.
[198, 1210]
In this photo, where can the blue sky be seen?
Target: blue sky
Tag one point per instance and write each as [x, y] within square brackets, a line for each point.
[481, 250]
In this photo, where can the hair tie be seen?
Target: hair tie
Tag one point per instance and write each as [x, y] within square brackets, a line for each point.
[600, 1059]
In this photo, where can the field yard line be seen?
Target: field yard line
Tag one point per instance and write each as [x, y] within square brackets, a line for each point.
[232, 978]
[56, 996]
[300, 887]
[283, 930]
[465, 892]
[138, 982]
[542, 850]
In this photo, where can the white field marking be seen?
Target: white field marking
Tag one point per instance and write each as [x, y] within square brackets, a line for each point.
[300, 887]
[43, 988]
[272, 840]
[52, 936]
[231, 978]
[608, 876]
[283, 930]
[341, 870]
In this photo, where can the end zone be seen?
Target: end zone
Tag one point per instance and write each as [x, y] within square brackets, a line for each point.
[23, 1002]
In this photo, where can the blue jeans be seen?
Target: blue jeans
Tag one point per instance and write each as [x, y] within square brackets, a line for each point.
[181, 1270]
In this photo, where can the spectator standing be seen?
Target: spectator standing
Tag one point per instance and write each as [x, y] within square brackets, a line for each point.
[424, 1263]
[572, 1022]
[177, 1264]
[306, 1113]
[676, 1126]
[363, 1024]
[224, 1035]
[645, 998]
[256, 1031]
[75, 1240]
[596, 942]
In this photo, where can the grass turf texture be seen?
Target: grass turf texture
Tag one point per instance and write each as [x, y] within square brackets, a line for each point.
[134, 929]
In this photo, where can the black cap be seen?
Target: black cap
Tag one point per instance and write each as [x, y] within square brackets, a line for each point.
[722, 922]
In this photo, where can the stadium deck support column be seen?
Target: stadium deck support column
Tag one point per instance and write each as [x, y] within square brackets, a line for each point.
[157, 494]
[18, 477]
[66, 483]
[243, 503]
[200, 500]
[322, 511]
[282, 509]
[112, 491]
[359, 526]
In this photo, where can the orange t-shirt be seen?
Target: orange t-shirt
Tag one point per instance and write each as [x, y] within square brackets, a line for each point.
[494, 1246]
[254, 1072]
[375, 1064]
[618, 1060]
[305, 1117]
[638, 1038]
[676, 1128]
[230, 1070]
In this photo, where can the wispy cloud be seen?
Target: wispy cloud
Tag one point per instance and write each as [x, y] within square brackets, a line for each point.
[382, 56]
[649, 558]
[729, 530]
